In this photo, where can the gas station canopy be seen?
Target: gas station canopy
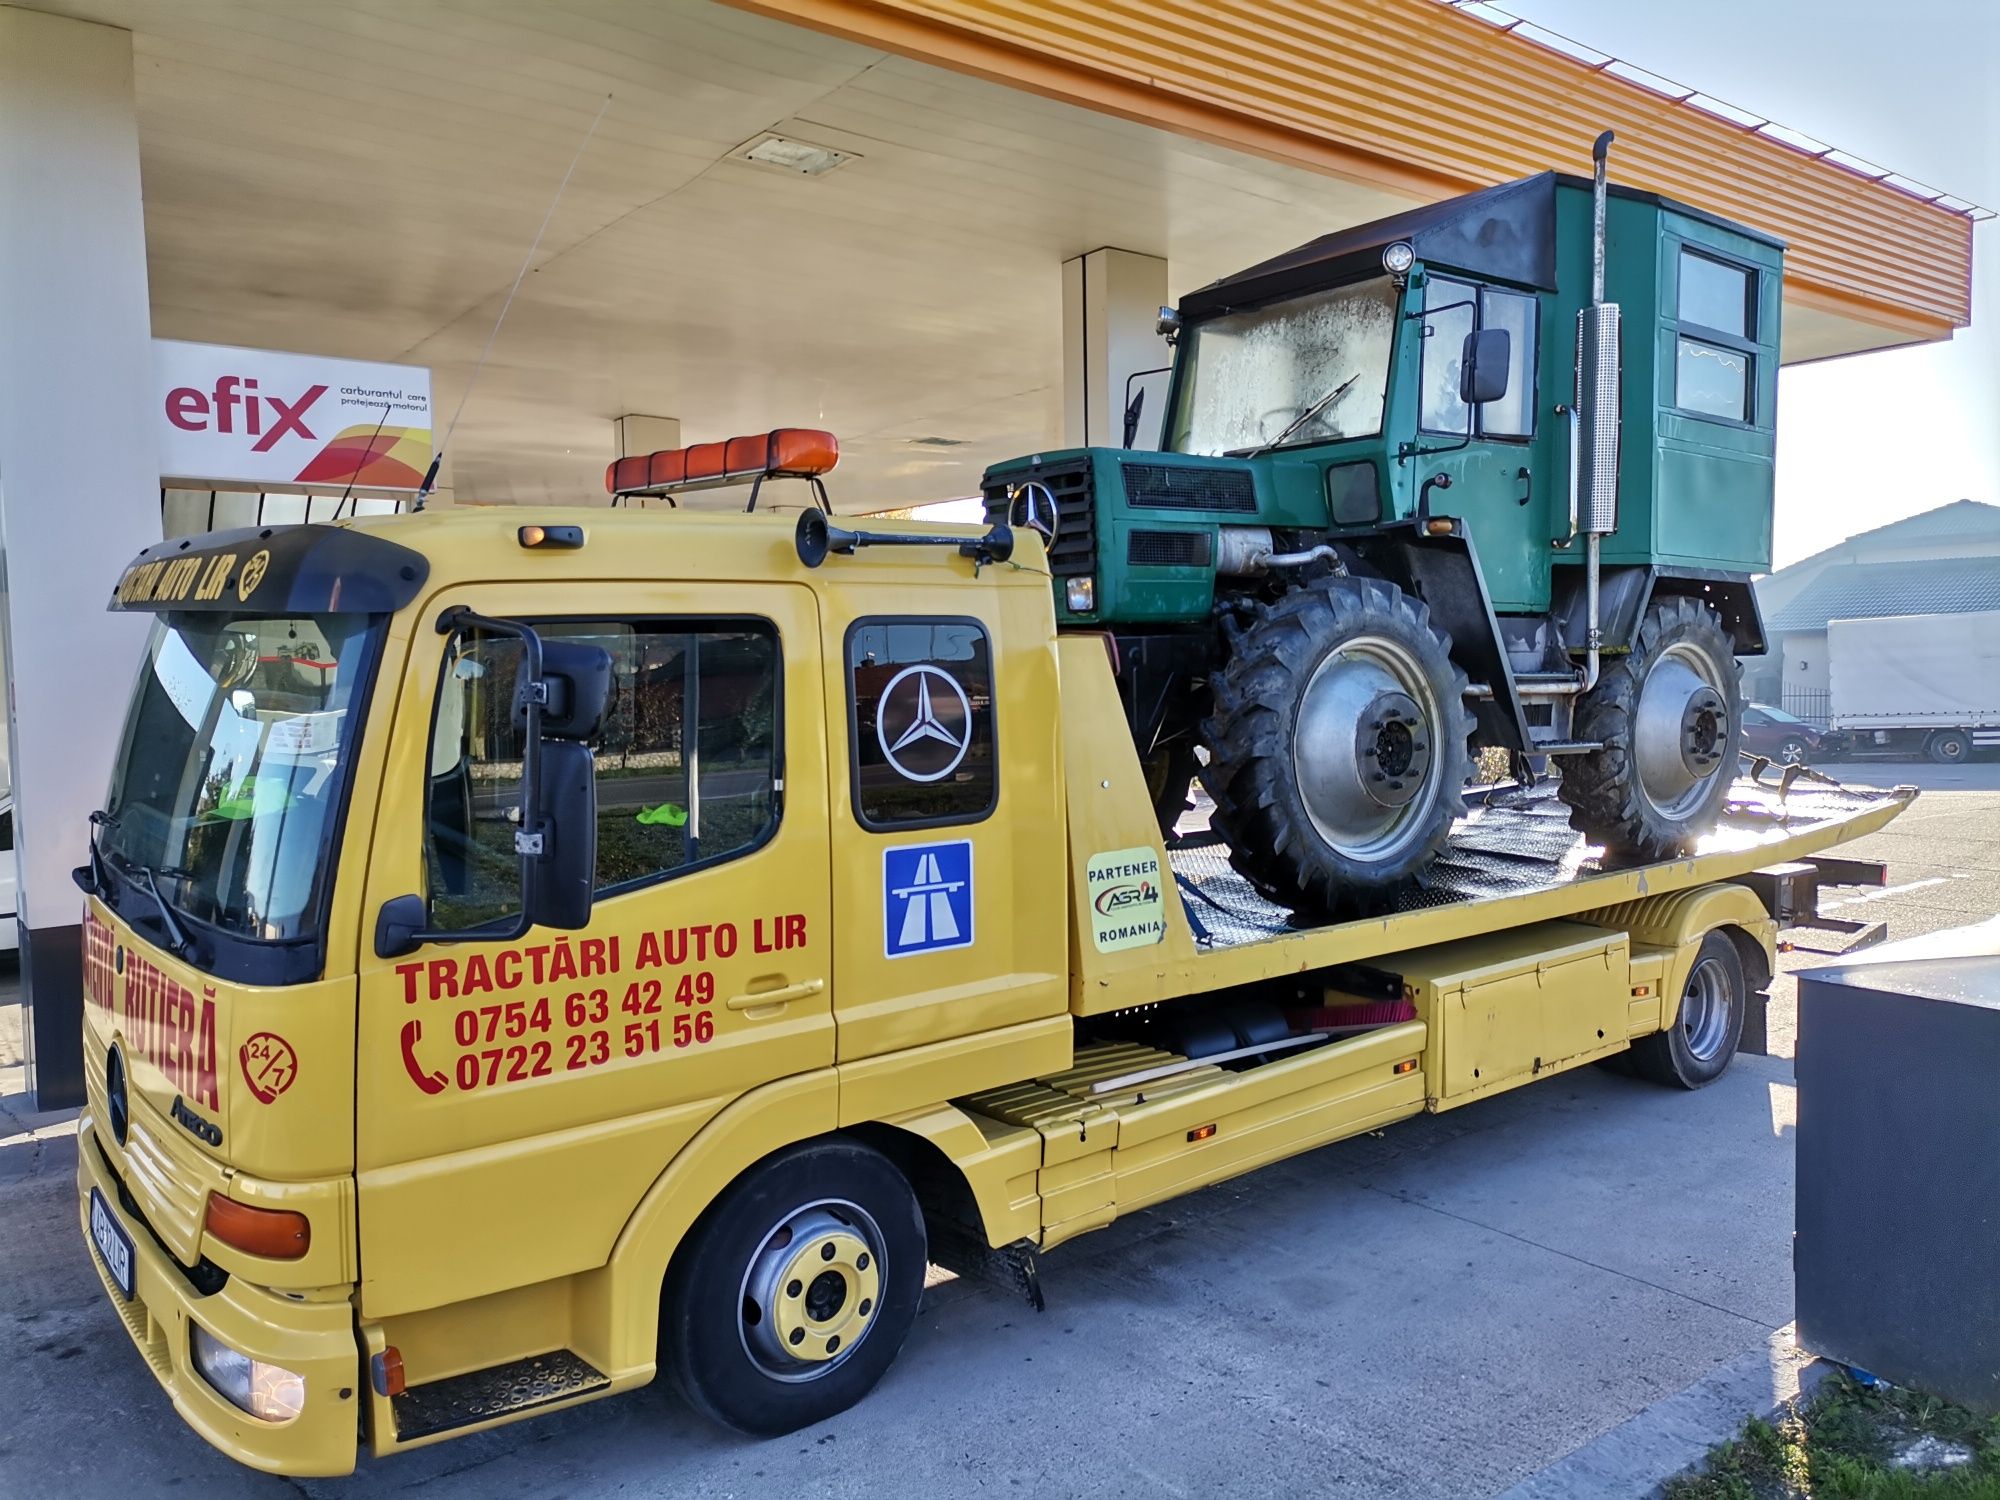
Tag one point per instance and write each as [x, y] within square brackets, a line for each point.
[852, 215]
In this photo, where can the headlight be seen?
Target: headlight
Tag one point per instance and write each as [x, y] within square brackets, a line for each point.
[1080, 594]
[269, 1392]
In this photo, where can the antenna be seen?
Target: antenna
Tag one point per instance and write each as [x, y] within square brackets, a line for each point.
[430, 475]
[366, 454]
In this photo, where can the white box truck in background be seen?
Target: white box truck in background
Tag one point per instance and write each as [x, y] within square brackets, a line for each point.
[1916, 684]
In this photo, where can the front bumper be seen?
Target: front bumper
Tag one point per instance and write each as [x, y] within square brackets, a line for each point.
[314, 1338]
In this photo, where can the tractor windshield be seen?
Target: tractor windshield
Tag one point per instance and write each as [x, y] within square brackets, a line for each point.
[227, 788]
[1250, 379]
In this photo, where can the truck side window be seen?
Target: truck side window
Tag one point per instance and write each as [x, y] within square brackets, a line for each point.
[688, 758]
[1715, 333]
[1459, 308]
[1449, 311]
[920, 705]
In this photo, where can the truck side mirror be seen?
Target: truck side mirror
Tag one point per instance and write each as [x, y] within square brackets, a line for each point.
[1482, 366]
[557, 885]
[559, 699]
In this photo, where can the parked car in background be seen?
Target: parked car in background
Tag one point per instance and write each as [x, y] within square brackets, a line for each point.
[1784, 738]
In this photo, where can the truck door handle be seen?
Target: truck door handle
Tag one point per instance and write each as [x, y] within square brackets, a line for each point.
[773, 999]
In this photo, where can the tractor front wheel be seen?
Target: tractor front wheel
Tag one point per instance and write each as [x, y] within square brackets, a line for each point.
[1337, 746]
[1669, 716]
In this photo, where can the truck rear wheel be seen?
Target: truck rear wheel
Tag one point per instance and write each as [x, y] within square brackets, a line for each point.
[1696, 1047]
[1669, 715]
[1338, 745]
[795, 1291]
[1949, 747]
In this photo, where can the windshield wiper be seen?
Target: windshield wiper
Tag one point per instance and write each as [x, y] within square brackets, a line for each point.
[177, 938]
[1307, 415]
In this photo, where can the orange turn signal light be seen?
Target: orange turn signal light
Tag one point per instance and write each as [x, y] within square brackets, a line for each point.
[551, 536]
[1641, 991]
[276, 1233]
[1201, 1132]
[385, 1372]
[1407, 1065]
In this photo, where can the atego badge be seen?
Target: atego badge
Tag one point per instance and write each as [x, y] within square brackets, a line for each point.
[924, 723]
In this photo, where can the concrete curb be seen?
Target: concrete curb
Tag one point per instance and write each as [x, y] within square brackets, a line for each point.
[1641, 1454]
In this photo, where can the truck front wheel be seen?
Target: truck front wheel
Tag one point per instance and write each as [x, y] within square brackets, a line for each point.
[793, 1294]
[1337, 748]
[1669, 716]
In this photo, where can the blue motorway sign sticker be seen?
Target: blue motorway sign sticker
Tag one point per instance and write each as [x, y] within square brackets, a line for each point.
[926, 898]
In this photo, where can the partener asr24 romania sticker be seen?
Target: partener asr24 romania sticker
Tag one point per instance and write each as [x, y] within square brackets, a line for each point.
[1126, 907]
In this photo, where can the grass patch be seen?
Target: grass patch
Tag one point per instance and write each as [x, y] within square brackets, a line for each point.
[1841, 1445]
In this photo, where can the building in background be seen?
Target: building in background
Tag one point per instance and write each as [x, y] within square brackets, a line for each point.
[1943, 561]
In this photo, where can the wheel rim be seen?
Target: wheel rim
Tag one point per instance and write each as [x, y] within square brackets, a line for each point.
[1681, 730]
[1951, 747]
[1705, 1008]
[1364, 749]
[813, 1291]
[1792, 753]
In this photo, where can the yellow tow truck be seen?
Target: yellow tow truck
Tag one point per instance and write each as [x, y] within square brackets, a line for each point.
[525, 955]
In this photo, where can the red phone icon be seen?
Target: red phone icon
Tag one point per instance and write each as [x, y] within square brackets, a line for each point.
[430, 1083]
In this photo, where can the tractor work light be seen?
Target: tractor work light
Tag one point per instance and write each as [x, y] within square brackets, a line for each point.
[1398, 258]
[1080, 594]
[269, 1393]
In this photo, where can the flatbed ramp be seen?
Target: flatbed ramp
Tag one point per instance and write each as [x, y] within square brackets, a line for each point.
[1516, 842]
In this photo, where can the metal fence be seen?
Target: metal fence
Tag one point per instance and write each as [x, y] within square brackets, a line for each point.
[1809, 704]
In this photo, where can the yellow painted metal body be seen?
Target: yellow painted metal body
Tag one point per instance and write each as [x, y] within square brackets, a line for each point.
[473, 1215]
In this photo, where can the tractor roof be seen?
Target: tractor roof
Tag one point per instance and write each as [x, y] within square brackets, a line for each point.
[1505, 233]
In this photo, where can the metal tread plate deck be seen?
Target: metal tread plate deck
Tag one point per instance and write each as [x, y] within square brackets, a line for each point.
[1513, 841]
[1065, 1098]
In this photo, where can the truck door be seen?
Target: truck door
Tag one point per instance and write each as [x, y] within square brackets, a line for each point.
[515, 1099]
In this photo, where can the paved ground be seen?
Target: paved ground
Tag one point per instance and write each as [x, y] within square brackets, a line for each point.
[1440, 1310]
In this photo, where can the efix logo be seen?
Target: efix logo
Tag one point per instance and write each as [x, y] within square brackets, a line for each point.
[236, 405]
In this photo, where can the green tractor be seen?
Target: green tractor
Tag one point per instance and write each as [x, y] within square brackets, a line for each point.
[1410, 501]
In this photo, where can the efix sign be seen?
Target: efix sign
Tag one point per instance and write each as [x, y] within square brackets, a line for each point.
[270, 420]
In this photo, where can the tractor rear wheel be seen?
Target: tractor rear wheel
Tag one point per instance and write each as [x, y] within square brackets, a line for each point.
[1669, 714]
[1337, 746]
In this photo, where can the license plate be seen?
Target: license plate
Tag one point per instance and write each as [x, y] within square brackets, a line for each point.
[114, 1245]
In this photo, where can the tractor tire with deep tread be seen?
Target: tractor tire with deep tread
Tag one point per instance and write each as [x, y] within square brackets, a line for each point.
[1338, 745]
[1669, 714]
[796, 1289]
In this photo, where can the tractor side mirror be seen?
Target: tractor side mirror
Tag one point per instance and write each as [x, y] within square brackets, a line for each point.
[1482, 366]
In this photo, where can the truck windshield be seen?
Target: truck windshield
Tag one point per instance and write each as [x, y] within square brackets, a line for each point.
[227, 786]
[1248, 376]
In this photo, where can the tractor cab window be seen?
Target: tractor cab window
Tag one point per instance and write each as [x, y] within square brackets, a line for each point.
[688, 758]
[1310, 369]
[1714, 345]
[1452, 310]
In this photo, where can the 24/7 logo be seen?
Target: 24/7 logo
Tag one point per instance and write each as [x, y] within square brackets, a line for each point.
[927, 903]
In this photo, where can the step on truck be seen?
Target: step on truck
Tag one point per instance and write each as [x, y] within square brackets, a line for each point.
[524, 958]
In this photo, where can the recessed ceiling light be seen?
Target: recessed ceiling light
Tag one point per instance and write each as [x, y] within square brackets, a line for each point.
[789, 155]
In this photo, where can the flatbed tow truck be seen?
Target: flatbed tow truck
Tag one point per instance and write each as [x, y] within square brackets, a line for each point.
[525, 956]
